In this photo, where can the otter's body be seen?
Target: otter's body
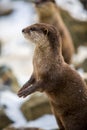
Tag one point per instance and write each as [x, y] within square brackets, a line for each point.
[66, 90]
[48, 13]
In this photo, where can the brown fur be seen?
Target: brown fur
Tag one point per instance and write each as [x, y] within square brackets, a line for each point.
[48, 13]
[66, 90]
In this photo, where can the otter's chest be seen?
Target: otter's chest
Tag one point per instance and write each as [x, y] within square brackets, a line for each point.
[40, 65]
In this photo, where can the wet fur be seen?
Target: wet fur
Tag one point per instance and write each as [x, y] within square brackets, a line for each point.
[66, 90]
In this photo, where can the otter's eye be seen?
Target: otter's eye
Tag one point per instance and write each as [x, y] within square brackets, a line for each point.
[45, 31]
[32, 29]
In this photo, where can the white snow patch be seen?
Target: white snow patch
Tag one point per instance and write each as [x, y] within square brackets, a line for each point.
[75, 8]
[12, 105]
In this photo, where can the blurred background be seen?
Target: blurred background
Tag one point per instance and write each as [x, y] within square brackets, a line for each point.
[16, 60]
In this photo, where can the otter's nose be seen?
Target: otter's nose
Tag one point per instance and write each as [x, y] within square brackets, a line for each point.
[23, 30]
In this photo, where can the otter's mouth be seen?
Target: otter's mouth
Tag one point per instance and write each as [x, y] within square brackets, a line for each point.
[26, 33]
[26, 36]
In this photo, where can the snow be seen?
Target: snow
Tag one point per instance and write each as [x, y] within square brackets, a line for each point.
[12, 105]
[48, 120]
[75, 8]
[81, 54]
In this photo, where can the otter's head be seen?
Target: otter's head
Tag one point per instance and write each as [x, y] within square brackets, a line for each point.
[45, 8]
[41, 33]
[35, 33]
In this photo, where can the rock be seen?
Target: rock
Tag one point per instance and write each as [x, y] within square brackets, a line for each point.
[7, 79]
[36, 106]
[4, 120]
[84, 2]
[22, 128]
[5, 9]
[78, 29]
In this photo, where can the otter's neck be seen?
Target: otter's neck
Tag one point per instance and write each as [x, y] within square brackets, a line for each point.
[49, 53]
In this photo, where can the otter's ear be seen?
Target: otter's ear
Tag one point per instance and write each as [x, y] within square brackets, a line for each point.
[45, 31]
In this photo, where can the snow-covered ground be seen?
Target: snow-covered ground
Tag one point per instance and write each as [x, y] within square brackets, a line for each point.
[17, 53]
[12, 105]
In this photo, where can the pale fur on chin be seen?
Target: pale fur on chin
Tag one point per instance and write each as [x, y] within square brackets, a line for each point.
[35, 37]
[26, 35]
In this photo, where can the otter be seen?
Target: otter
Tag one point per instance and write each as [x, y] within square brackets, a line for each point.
[66, 90]
[48, 12]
